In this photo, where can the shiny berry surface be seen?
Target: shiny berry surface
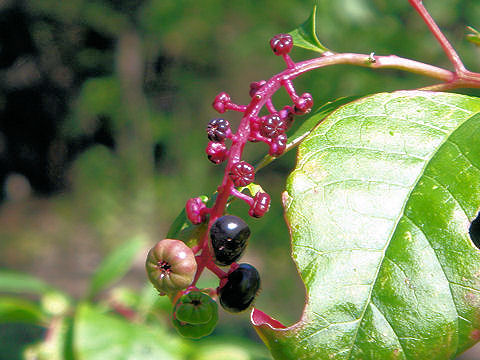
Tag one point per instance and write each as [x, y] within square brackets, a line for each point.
[170, 266]
[217, 129]
[281, 44]
[260, 205]
[272, 126]
[278, 145]
[194, 209]
[240, 289]
[229, 235]
[242, 173]
[303, 104]
[220, 102]
[217, 152]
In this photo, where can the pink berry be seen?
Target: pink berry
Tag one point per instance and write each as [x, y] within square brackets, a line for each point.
[242, 173]
[272, 126]
[281, 44]
[278, 145]
[220, 102]
[303, 104]
[195, 210]
[260, 205]
[217, 152]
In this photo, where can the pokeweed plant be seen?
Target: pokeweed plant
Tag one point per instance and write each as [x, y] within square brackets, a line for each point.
[382, 208]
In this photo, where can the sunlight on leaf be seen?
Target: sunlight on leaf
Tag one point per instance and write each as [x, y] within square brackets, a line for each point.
[305, 36]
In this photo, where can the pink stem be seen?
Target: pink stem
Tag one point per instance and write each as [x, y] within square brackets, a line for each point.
[442, 39]
[242, 196]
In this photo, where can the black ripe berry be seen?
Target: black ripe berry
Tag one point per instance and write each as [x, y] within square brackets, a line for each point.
[240, 289]
[217, 129]
[229, 235]
[474, 231]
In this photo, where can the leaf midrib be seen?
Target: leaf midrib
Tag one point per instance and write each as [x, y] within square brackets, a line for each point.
[394, 228]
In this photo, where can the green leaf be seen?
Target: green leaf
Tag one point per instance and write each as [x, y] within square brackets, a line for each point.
[305, 35]
[115, 266]
[19, 283]
[103, 336]
[307, 127]
[20, 310]
[475, 37]
[379, 207]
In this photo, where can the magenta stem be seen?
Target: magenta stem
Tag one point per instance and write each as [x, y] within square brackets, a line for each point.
[442, 39]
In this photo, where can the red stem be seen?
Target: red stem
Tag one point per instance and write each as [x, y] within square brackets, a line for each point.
[442, 39]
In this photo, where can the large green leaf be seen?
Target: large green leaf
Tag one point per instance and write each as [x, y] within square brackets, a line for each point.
[379, 207]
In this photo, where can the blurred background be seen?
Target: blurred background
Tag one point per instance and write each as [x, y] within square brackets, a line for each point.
[103, 107]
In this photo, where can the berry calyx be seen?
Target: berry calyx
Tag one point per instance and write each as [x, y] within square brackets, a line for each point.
[278, 145]
[272, 126]
[242, 173]
[303, 104]
[170, 266]
[217, 152]
[221, 101]
[195, 209]
[217, 129]
[195, 308]
[229, 235]
[281, 44]
[261, 204]
[242, 285]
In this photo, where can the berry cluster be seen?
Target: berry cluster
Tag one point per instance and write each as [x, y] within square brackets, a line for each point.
[173, 267]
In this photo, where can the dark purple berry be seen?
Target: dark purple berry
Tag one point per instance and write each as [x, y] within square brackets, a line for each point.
[229, 235]
[254, 86]
[281, 44]
[217, 129]
[220, 102]
[278, 145]
[474, 231]
[240, 289]
[242, 173]
[288, 115]
[261, 204]
[303, 104]
[217, 152]
[195, 210]
[272, 126]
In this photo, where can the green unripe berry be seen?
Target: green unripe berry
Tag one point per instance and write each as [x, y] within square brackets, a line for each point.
[197, 331]
[195, 308]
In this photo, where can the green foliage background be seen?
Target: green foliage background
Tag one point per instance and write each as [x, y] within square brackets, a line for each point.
[149, 87]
